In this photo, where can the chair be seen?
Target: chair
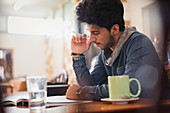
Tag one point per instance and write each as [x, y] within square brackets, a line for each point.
[19, 84]
[58, 85]
[62, 77]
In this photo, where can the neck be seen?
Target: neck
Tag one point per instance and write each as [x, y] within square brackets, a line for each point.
[116, 38]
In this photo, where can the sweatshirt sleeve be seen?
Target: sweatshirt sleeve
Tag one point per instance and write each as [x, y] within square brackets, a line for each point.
[84, 78]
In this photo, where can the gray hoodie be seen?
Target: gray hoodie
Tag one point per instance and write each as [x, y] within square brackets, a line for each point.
[123, 38]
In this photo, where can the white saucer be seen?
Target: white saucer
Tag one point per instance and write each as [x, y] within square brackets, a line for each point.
[119, 101]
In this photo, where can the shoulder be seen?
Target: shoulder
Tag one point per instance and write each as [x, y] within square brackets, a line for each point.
[138, 36]
[138, 39]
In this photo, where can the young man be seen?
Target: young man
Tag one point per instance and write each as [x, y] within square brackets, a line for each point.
[124, 51]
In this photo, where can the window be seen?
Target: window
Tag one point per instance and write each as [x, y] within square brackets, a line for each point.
[32, 26]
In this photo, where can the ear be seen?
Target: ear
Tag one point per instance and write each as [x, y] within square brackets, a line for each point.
[114, 30]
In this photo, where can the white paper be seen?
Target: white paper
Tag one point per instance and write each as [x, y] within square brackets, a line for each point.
[61, 100]
[50, 101]
[15, 97]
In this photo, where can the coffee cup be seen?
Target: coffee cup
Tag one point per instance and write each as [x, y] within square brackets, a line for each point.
[119, 87]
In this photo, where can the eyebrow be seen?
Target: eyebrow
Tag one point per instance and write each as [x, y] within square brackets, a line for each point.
[94, 31]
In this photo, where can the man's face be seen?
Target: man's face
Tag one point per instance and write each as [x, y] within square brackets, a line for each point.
[101, 37]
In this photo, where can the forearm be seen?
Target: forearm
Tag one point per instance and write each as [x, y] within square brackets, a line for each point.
[94, 92]
[82, 73]
[85, 78]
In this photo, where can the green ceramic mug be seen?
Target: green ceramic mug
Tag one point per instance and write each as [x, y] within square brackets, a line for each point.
[119, 87]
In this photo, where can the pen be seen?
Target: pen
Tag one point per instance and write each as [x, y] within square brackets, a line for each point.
[87, 37]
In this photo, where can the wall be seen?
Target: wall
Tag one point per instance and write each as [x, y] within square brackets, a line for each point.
[30, 54]
[133, 12]
[144, 14]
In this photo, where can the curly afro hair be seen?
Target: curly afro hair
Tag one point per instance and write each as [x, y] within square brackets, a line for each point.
[103, 13]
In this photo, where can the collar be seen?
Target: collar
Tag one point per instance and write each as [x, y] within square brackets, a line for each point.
[111, 56]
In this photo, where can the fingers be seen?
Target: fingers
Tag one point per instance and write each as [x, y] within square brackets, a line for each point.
[79, 38]
[84, 35]
[125, 97]
[75, 86]
[71, 92]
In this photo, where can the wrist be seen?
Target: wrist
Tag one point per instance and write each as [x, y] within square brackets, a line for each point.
[78, 57]
[79, 93]
[74, 55]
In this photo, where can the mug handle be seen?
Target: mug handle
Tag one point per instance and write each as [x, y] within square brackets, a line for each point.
[139, 87]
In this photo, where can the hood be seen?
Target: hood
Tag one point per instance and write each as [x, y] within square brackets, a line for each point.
[123, 38]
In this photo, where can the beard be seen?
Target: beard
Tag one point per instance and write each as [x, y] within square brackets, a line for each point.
[110, 43]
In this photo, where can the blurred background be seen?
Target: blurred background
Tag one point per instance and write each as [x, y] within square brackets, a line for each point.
[35, 35]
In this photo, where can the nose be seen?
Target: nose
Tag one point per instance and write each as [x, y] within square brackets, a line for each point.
[92, 38]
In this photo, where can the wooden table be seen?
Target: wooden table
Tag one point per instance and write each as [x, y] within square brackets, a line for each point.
[140, 106]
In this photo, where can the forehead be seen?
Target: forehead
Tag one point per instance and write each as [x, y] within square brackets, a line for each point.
[93, 27]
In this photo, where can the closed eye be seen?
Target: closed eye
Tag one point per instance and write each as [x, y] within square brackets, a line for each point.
[95, 32]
